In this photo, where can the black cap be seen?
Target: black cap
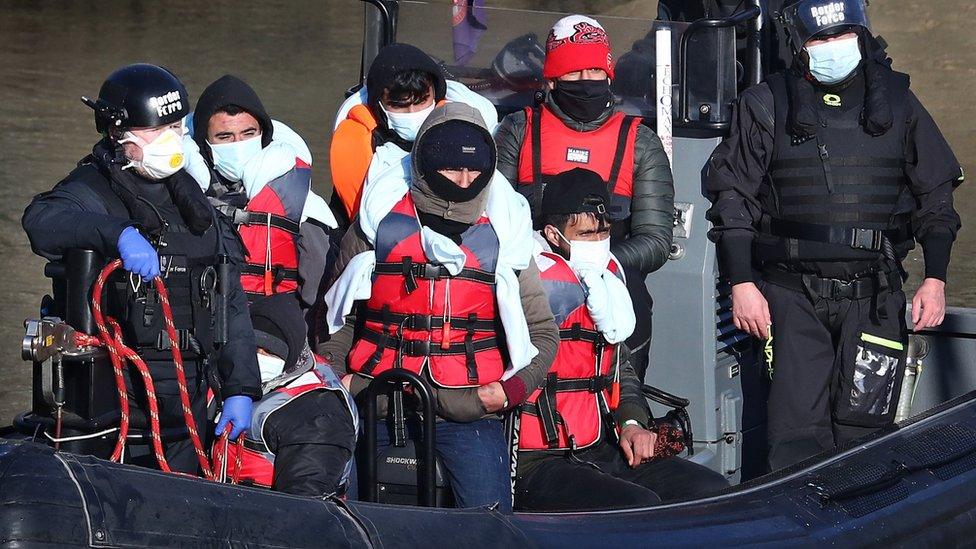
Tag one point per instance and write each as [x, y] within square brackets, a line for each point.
[575, 191]
[806, 19]
[279, 327]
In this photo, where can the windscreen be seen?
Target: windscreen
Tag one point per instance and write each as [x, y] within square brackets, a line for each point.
[498, 51]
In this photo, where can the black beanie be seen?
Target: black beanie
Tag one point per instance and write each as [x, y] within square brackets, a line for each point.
[279, 327]
[453, 145]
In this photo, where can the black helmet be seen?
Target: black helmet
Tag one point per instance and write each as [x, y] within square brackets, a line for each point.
[806, 19]
[139, 96]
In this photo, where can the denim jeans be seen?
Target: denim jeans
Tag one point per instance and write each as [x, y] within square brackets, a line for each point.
[475, 458]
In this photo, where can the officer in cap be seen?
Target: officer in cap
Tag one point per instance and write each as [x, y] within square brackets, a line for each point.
[833, 170]
[131, 199]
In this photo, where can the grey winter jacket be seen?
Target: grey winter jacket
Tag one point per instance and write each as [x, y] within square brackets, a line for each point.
[456, 404]
[648, 243]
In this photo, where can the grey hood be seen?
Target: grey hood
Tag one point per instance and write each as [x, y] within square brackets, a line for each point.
[424, 198]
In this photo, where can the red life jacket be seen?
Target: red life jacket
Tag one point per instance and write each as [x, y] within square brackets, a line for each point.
[550, 147]
[257, 461]
[567, 412]
[419, 315]
[269, 229]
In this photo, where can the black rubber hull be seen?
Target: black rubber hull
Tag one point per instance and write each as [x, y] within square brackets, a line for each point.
[49, 499]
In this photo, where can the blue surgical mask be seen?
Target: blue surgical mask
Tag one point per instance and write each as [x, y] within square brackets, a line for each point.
[230, 158]
[832, 62]
[407, 124]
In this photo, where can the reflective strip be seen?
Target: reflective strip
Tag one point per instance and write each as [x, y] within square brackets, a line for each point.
[882, 341]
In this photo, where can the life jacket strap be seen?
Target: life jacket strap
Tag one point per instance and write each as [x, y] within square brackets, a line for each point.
[429, 323]
[418, 347]
[242, 217]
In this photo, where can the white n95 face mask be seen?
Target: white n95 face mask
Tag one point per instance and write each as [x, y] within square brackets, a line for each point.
[588, 254]
[832, 62]
[161, 158]
[407, 124]
[230, 158]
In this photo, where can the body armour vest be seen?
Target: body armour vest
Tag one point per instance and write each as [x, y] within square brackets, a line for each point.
[842, 177]
[257, 460]
[270, 228]
[568, 411]
[418, 315]
[188, 269]
[550, 147]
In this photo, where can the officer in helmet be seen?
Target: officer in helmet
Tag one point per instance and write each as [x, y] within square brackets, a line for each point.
[131, 199]
[831, 174]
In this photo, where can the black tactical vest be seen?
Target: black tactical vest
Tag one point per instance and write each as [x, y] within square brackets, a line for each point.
[842, 178]
[188, 269]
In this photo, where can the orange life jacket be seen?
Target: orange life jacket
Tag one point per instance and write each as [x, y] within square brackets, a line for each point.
[350, 154]
[550, 147]
[567, 412]
[418, 315]
[269, 229]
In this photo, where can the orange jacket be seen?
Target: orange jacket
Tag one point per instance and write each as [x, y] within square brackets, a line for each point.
[349, 156]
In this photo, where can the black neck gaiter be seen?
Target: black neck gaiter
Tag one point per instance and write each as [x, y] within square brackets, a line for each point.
[583, 100]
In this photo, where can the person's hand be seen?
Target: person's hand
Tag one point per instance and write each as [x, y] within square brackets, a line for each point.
[928, 305]
[492, 396]
[137, 254]
[637, 444]
[750, 312]
[237, 412]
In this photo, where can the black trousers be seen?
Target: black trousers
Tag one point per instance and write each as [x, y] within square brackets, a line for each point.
[836, 371]
[599, 478]
[178, 450]
[313, 440]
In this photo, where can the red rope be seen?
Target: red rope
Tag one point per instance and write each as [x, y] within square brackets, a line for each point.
[118, 352]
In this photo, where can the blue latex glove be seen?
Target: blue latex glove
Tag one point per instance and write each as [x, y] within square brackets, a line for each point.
[137, 254]
[237, 412]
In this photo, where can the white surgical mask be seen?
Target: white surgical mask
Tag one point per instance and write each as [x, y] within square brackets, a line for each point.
[832, 62]
[407, 124]
[270, 367]
[588, 254]
[161, 158]
[230, 158]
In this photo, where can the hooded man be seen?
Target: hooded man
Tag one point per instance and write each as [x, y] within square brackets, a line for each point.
[402, 87]
[578, 126]
[258, 172]
[572, 455]
[132, 199]
[437, 277]
[831, 172]
[303, 432]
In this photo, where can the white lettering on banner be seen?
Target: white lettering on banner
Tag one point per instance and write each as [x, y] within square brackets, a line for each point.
[580, 156]
[166, 104]
[829, 14]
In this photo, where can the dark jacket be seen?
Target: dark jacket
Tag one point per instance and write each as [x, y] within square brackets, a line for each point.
[457, 404]
[75, 215]
[648, 245]
[737, 177]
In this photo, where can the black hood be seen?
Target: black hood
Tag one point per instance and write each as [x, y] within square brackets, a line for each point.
[391, 60]
[228, 90]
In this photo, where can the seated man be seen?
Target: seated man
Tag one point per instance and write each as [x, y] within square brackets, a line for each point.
[303, 432]
[258, 172]
[570, 458]
[439, 267]
[402, 88]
